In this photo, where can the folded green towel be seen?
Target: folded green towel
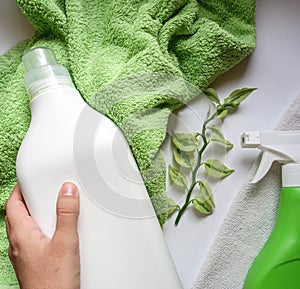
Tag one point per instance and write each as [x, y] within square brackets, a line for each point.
[101, 43]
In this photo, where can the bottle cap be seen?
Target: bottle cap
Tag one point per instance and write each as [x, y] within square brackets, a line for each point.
[43, 71]
[291, 175]
[37, 57]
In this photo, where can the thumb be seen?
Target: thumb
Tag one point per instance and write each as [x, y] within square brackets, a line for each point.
[67, 212]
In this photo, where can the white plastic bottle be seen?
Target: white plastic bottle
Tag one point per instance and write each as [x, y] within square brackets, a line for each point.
[121, 242]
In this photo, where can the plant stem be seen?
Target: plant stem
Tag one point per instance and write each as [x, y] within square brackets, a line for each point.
[196, 168]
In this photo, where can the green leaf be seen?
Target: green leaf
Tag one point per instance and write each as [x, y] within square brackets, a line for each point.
[237, 96]
[218, 136]
[172, 206]
[184, 159]
[206, 193]
[202, 207]
[212, 95]
[177, 177]
[208, 114]
[222, 113]
[216, 169]
[186, 142]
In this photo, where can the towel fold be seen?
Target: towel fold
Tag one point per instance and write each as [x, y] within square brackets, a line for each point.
[103, 42]
[248, 223]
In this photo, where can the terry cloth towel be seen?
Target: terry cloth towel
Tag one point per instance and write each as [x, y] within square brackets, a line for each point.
[248, 224]
[103, 42]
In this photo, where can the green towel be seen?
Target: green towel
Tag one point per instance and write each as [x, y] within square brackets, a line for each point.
[104, 42]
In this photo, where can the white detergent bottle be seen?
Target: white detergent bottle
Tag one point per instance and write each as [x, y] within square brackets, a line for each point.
[121, 242]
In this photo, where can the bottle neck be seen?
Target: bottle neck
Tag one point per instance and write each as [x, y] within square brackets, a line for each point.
[40, 79]
[43, 86]
[288, 219]
[291, 175]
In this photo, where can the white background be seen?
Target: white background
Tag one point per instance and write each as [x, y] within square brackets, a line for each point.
[274, 68]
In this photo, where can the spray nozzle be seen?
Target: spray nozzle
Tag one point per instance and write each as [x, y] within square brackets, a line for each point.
[281, 146]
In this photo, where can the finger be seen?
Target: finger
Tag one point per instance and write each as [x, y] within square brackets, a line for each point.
[67, 211]
[8, 229]
[20, 226]
[15, 206]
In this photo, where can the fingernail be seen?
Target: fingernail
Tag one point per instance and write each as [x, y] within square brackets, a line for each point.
[69, 190]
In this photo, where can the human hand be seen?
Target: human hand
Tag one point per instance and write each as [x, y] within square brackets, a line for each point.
[40, 262]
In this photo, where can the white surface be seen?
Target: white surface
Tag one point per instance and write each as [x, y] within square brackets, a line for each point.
[274, 68]
[14, 25]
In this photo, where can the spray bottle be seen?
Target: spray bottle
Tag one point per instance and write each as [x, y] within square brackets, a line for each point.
[121, 241]
[278, 264]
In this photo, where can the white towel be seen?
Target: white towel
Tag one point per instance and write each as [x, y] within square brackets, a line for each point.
[248, 223]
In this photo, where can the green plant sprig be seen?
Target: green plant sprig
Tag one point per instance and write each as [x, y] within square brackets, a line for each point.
[187, 145]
